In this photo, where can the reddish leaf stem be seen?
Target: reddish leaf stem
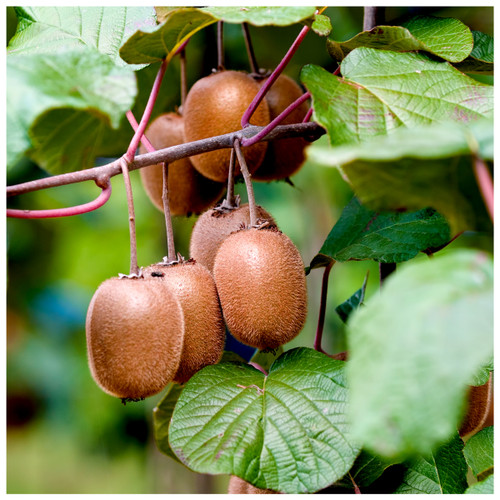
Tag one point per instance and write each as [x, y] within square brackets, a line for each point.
[322, 308]
[248, 182]
[254, 67]
[134, 143]
[245, 120]
[64, 212]
[258, 367]
[145, 141]
[485, 183]
[134, 268]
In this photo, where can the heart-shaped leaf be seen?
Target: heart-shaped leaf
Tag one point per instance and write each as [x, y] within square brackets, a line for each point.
[413, 349]
[286, 431]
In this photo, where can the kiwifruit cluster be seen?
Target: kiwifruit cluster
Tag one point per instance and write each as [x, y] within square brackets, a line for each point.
[238, 486]
[189, 192]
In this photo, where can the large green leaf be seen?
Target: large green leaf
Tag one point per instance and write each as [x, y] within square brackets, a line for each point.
[381, 90]
[262, 16]
[361, 234]
[447, 38]
[43, 30]
[478, 452]
[428, 166]
[443, 471]
[482, 488]
[75, 93]
[155, 44]
[287, 431]
[413, 349]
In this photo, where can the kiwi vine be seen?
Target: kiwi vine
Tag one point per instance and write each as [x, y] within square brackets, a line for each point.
[165, 328]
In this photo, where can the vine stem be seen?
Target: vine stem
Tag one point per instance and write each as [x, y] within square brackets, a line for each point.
[134, 268]
[322, 308]
[134, 143]
[220, 46]
[373, 16]
[168, 217]
[485, 184]
[248, 182]
[254, 68]
[64, 212]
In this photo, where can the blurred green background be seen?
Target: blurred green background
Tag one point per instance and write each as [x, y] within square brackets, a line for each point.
[64, 435]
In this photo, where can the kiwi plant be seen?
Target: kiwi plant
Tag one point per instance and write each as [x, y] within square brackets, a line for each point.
[190, 192]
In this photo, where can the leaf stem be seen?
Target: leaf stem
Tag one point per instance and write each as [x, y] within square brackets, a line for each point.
[220, 46]
[64, 212]
[322, 308]
[258, 367]
[145, 141]
[254, 68]
[373, 16]
[134, 268]
[485, 183]
[248, 182]
[168, 217]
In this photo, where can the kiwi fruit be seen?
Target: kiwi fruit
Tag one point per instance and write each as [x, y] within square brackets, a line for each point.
[214, 106]
[189, 192]
[135, 332]
[214, 225]
[261, 282]
[479, 404]
[204, 330]
[238, 486]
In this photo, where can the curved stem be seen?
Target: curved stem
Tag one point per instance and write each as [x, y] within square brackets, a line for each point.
[134, 268]
[254, 68]
[322, 308]
[245, 120]
[220, 46]
[485, 184]
[64, 212]
[168, 216]
[134, 143]
[248, 183]
[276, 121]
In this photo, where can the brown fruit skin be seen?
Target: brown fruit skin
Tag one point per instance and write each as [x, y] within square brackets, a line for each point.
[189, 192]
[135, 331]
[204, 332]
[238, 486]
[214, 226]
[479, 405]
[262, 287]
[284, 157]
[214, 106]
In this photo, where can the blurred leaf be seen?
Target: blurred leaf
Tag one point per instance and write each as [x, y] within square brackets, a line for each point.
[262, 16]
[362, 234]
[447, 38]
[443, 471]
[162, 414]
[86, 82]
[482, 376]
[381, 90]
[231, 419]
[485, 487]
[480, 60]
[43, 30]
[151, 45]
[429, 329]
[479, 454]
[345, 309]
[415, 168]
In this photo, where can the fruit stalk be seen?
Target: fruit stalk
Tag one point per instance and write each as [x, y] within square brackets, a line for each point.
[183, 71]
[220, 46]
[322, 308]
[254, 67]
[145, 141]
[134, 268]
[372, 16]
[230, 182]
[168, 218]
[485, 184]
[248, 182]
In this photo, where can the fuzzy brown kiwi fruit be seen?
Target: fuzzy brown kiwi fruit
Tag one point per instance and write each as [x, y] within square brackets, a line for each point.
[204, 332]
[214, 106]
[135, 332]
[261, 282]
[189, 192]
[238, 486]
[479, 404]
[214, 226]
[284, 157]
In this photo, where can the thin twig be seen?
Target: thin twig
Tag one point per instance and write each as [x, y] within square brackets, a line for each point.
[485, 183]
[168, 217]
[248, 183]
[145, 141]
[254, 68]
[220, 46]
[322, 308]
[134, 268]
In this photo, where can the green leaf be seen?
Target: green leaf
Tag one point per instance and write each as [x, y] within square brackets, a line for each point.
[368, 467]
[413, 349]
[444, 37]
[321, 25]
[345, 309]
[415, 168]
[362, 234]
[266, 359]
[262, 16]
[43, 30]
[162, 414]
[478, 452]
[381, 91]
[482, 488]
[443, 471]
[287, 432]
[480, 60]
[75, 93]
